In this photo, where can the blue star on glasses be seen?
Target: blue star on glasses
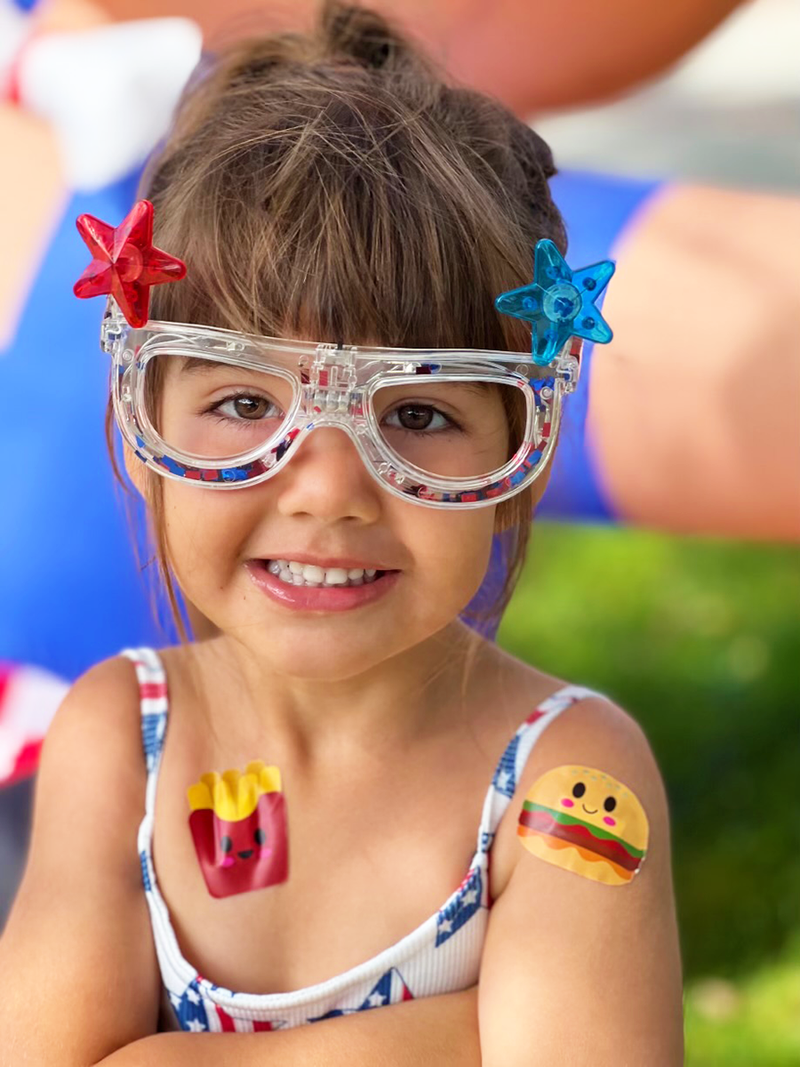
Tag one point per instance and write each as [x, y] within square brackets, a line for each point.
[559, 303]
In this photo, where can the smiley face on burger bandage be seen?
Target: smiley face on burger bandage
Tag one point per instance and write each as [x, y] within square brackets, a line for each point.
[585, 821]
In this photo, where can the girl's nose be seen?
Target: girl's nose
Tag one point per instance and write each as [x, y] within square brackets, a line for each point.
[326, 476]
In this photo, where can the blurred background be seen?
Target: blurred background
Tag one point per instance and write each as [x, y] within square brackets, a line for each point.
[663, 567]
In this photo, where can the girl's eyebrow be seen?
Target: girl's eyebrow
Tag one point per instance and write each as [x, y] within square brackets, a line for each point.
[193, 364]
[475, 387]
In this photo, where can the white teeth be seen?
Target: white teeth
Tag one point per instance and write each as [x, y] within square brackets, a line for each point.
[294, 573]
[335, 576]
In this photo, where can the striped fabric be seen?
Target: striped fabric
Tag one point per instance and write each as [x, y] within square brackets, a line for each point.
[442, 955]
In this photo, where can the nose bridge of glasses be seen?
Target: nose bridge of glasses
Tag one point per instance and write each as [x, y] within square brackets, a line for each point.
[342, 451]
[331, 392]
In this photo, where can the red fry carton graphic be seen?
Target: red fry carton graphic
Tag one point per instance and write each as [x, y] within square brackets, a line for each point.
[238, 825]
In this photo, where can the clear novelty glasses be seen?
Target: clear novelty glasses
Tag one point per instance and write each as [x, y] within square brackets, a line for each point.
[439, 427]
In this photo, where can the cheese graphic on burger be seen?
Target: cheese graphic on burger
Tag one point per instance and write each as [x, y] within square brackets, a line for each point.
[238, 825]
[585, 821]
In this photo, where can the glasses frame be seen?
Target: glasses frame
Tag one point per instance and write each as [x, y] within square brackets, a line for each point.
[334, 386]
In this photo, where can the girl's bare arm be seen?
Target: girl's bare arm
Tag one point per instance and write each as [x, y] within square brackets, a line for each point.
[441, 1031]
[580, 971]
[78, 972]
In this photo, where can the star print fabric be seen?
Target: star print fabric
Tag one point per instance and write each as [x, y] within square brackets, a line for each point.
[442, 955]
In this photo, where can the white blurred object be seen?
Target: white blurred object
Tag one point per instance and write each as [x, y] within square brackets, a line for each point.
[14, 28]
[727, 113]
[109, 92]
[29, 698]
[753, 57]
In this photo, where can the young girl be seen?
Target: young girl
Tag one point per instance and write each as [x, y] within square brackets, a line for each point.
[409, 818]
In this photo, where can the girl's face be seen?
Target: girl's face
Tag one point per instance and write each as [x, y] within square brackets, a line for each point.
[325, 504]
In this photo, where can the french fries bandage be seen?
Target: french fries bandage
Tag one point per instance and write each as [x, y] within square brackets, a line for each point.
[238, 825]
[585, 821]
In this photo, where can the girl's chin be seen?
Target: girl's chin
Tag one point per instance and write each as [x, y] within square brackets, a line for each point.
[331, 648]
[337, 664]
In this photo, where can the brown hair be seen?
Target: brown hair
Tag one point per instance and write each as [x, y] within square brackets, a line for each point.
[334, 185]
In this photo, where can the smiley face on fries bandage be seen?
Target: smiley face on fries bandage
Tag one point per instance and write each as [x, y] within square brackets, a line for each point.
[585, 821]
[238, 825]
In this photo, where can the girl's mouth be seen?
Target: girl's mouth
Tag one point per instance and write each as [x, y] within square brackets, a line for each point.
[319, 589]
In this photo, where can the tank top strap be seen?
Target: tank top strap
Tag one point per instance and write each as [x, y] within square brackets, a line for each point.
[154, 708]
[513, 760]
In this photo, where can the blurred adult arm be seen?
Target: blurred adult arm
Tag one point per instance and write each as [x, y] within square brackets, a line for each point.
[693, 407]
[531, 54]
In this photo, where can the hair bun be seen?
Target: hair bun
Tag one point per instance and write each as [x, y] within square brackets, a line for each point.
[356, 33]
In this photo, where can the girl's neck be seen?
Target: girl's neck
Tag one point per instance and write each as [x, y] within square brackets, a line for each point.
[401, 702]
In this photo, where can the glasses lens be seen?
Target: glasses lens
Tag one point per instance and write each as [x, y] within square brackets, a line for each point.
[462, 429]
[213, 410]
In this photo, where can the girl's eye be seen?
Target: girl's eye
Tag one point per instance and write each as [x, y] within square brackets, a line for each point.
[260, 836]
[420, 418]
[226, 843]
[245, 407]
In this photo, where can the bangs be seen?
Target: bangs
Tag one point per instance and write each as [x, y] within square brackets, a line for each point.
[346, 223]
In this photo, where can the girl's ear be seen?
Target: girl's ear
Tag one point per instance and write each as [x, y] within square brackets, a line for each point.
[135, 469]
[539, 486]
[506, 517]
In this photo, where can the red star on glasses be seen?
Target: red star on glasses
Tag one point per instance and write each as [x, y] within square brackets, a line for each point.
[125, 264]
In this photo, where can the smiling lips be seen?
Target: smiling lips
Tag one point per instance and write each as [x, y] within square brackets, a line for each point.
[301, 595]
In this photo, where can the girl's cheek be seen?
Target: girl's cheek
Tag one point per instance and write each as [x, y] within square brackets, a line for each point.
[567, 803]
[609, 821]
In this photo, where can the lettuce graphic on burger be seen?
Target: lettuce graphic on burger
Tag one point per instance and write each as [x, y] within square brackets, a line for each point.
[585, 821]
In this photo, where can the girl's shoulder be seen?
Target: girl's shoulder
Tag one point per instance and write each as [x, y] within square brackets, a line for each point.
[92, 752]
[106, 697]
[100, 719]
[568, 723]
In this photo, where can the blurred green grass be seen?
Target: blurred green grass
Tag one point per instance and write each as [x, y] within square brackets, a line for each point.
[754, 1022]
[699, 639]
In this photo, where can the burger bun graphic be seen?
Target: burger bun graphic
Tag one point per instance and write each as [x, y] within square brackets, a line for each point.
[585, 821]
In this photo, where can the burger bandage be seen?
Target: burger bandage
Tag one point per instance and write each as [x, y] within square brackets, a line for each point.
[238, 825]
[585, 821]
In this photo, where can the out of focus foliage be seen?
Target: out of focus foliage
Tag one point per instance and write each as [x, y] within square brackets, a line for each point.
[699, 640]
[753, 1022]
